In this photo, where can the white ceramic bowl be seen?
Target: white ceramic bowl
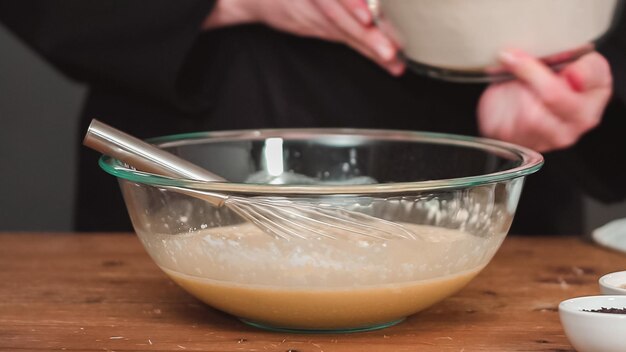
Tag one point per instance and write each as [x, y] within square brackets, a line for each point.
[592, 331]
[613, 284]
[459, 40]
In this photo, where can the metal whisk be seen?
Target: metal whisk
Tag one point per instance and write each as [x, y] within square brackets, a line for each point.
[276, 216]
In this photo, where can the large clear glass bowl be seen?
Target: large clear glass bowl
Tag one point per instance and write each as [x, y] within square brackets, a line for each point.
[457, 194]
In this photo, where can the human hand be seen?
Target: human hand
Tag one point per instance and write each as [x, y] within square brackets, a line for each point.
[544, 110]
[343, 21]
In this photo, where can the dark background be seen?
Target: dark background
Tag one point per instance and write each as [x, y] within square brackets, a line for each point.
[38, 142]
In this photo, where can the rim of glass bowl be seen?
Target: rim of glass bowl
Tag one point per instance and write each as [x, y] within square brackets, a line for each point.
[531, 161]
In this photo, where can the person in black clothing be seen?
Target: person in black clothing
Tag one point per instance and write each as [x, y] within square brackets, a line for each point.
[165, 67]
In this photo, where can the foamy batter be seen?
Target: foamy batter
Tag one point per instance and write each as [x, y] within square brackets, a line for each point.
[320, 284]
[468, 34]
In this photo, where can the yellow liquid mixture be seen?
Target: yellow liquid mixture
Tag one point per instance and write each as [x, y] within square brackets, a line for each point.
[314, 308]
[320, 284]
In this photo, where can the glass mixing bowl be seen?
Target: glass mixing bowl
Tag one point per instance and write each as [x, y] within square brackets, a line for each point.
[456, 194]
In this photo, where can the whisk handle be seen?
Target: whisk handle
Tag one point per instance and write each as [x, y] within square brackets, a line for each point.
[141, 155]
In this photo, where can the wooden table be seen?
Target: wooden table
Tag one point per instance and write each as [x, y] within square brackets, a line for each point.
[101, 292]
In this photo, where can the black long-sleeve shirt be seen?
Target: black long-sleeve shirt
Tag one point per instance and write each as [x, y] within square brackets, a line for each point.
[151, 71]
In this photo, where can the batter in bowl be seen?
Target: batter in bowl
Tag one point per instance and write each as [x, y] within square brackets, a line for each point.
[320, 284]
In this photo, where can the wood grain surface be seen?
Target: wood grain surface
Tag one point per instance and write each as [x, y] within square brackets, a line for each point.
[102, 292]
